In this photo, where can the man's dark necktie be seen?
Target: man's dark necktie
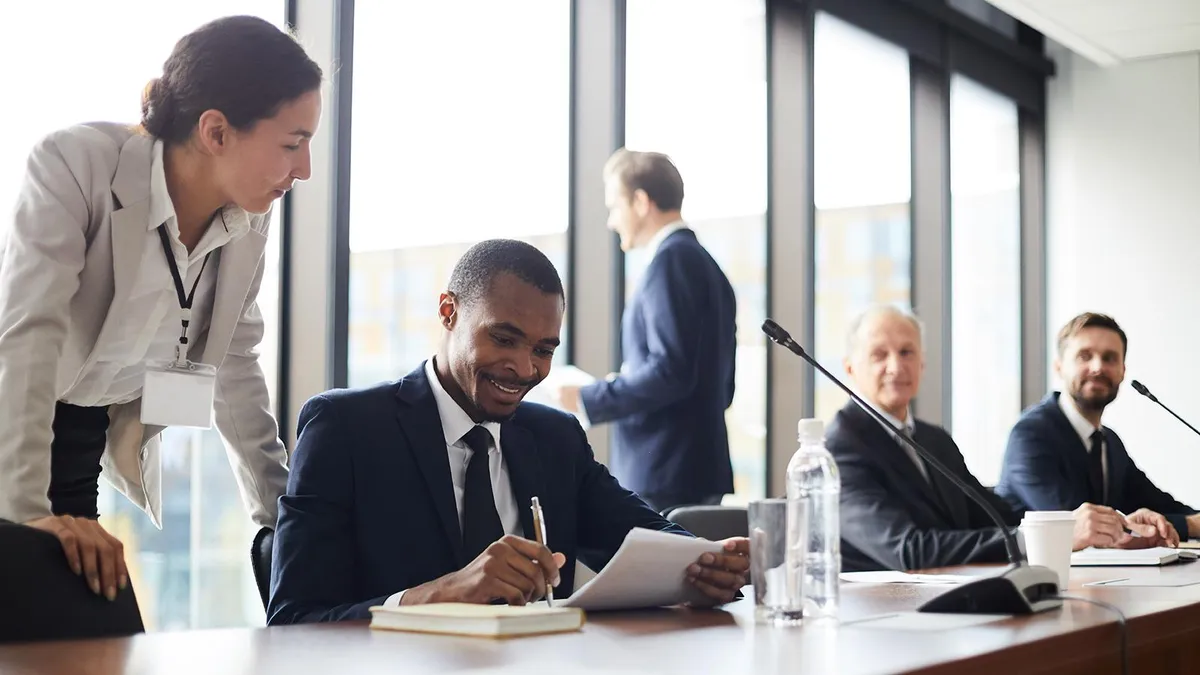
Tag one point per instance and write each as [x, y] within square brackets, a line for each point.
[481, 522]
[1096, 468]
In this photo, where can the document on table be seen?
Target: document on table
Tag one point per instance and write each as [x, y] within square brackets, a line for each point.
[546, 392]
[905, 578]
[648, 570]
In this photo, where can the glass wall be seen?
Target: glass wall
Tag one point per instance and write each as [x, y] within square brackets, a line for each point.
[195, 572]
[985, 278]
[461, 131]
[862, 173]
[696, 89]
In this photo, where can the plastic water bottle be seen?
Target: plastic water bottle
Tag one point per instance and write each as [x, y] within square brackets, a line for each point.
[812, 479]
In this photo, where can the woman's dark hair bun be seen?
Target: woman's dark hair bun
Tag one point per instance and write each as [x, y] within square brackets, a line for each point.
[243, 66]
[156, 108]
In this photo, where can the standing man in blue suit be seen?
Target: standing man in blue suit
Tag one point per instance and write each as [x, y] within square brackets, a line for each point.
[418, 491]
[1060, 456]
[678, 340]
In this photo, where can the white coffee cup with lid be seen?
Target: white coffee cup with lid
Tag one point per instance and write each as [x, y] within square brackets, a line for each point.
[1048, 537]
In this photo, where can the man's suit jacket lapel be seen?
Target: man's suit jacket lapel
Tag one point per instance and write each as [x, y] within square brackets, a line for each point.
[895, 458]
[524, 471]
[422, 427]
[1074, 451]
[953, 501]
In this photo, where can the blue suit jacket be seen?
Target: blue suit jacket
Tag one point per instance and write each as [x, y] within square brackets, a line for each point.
[1046, 469]
[369, 509]
[678, 342]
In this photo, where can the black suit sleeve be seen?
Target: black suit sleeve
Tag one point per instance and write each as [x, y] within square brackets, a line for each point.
[607, 511]
[312, 569]
[878, 524]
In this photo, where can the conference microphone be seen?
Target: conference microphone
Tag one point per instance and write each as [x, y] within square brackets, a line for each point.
[1020, 589]
[1141, 389]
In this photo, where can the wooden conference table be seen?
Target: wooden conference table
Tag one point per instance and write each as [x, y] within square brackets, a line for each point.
[1164, 633]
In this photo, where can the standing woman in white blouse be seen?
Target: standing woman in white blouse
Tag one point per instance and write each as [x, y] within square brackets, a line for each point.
[128, 281]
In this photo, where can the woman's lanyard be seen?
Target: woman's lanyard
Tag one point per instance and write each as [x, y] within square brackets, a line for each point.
[185, 301]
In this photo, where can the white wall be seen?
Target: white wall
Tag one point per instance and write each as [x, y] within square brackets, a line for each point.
[1123, 189]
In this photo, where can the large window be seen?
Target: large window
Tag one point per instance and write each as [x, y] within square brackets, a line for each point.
[195, 572]
[862, 175]
[985, 280]
[696, 90]
[461, 131]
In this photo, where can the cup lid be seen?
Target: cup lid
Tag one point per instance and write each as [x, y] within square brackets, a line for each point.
[1048, 516]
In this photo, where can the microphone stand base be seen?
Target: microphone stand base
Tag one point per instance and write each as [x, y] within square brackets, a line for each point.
[1020, 589]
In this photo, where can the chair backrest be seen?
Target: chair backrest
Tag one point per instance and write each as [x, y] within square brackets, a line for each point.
[260, 562]
[712, 522]
[42, 599]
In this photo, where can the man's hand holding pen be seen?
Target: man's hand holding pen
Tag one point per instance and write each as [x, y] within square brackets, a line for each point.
[515, 571]
[505, 571]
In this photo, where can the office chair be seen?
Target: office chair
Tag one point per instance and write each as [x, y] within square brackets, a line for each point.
[712, 522]
[42, 599]
[260, 562]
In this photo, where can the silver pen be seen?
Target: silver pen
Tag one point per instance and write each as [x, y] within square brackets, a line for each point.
[539, 530]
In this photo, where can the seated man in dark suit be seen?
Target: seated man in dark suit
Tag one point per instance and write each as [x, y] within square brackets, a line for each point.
[419, 490]
[1059, 455]
[897, 512]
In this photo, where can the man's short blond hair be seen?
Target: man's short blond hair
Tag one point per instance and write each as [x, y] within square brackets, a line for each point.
[651, 172]
[875, 311]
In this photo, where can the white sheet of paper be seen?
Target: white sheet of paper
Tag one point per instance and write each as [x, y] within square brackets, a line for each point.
[904, 578]
[583, 574]
[648, 570]
[925, 621]
[560, 376]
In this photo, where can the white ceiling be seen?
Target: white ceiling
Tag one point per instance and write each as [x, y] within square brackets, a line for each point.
[1111, 31]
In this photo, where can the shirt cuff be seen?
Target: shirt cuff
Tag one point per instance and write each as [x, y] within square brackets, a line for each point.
[582, 415]
[394, 600]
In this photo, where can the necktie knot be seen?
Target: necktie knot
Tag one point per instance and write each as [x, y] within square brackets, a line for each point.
[478, 440]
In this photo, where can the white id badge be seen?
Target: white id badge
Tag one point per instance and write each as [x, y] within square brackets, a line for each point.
[179, 396]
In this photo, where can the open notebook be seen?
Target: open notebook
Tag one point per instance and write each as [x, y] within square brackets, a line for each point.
[453, 618]
[1118, 557]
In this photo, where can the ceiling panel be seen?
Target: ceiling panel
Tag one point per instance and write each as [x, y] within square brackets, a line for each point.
[1111, 31]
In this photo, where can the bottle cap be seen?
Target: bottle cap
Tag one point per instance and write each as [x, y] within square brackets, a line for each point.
[811, 430]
